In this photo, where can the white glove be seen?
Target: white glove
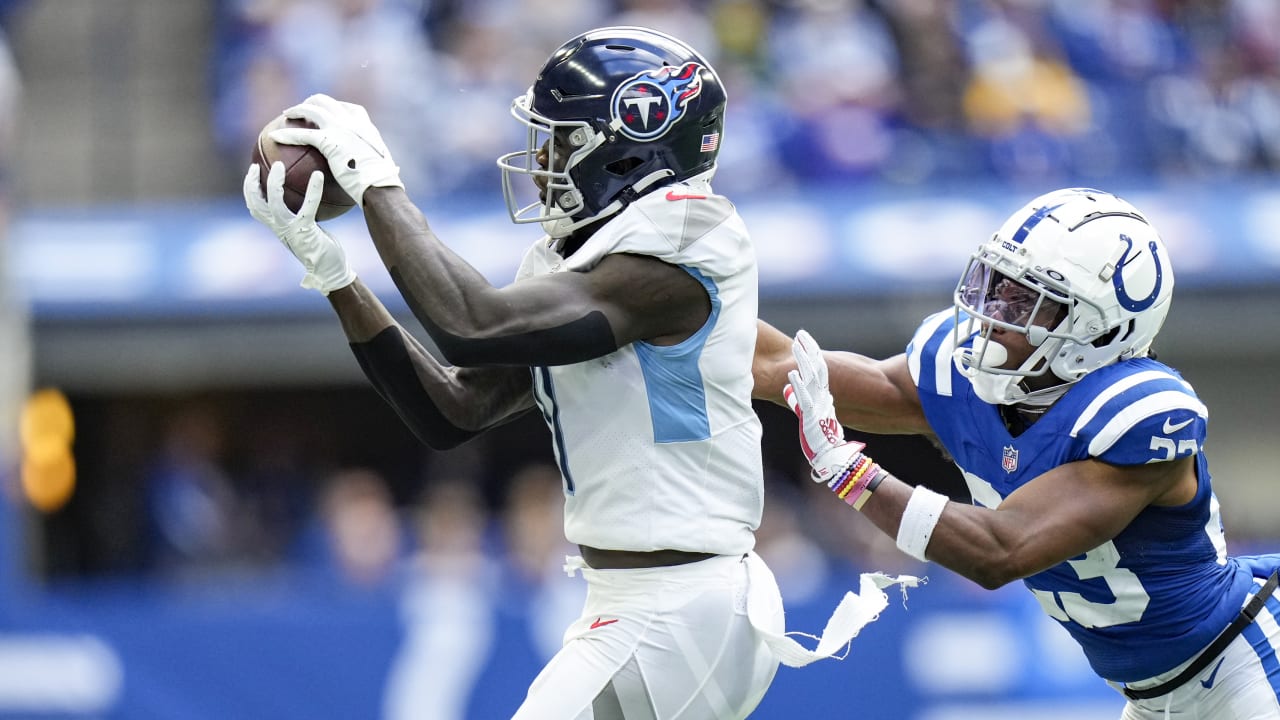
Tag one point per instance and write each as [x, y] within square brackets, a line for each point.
[837, 462]
[358, 157]
[320, 254]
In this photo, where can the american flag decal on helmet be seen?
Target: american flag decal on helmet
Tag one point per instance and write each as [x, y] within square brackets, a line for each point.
[710, 142]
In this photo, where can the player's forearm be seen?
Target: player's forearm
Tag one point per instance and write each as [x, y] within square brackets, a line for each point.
[875, 396]
[361, 313]
[443, 406]
[403, 373]
[391, 363]
[770, 364]
[967, 540]
[472, 323]
[442, 290]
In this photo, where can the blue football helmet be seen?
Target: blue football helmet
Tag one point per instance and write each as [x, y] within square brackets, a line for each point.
[618, 111]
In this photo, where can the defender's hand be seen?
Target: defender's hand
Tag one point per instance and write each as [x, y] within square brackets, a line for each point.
[320, 254]
[837, 462]
[358, 157]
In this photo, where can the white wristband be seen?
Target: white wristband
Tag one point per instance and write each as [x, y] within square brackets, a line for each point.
[924, 509]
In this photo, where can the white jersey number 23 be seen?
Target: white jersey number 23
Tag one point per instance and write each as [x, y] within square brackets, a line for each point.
[1129, 598]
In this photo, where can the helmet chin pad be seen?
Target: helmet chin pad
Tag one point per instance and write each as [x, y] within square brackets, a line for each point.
[563, 226]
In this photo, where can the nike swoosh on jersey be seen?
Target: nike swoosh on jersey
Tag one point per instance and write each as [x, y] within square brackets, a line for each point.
[1170, 427]
[601, 623]
[1208, 682]
[672, 195]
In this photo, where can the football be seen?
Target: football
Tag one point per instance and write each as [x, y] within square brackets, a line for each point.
[299, 162]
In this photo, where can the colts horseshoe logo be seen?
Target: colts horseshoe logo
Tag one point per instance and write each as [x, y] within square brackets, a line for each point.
[1117, 280]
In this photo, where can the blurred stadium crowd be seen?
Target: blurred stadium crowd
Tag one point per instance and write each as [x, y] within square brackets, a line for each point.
[860, 93]
[13, 320]
[849, 91]
[323, 483]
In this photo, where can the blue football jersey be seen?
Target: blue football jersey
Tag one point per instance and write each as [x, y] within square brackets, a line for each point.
[1163, 588]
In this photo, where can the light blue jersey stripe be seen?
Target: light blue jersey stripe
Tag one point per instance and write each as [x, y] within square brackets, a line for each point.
[673, 380]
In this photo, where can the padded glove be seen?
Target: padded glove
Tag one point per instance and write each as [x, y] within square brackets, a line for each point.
[320, 254]
[358, 157]
[837, 462]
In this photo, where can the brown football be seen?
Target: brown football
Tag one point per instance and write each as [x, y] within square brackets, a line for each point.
[299, 162]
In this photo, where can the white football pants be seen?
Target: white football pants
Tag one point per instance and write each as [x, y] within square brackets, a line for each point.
[668, 643]
[1243, 683]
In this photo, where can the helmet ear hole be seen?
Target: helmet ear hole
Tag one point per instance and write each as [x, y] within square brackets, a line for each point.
[624, 166]
[1113, 335]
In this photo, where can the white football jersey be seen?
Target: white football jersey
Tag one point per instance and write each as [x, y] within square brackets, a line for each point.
[659, 446]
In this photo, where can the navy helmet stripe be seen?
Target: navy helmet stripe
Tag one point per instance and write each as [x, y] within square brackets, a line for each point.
[1033, 221]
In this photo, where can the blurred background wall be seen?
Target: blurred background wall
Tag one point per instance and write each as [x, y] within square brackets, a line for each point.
[209, 514]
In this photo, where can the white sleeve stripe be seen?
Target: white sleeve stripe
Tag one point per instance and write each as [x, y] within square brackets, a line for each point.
[1115, 389]
[1161, 402]
[913, 363]
[942, 365]
[918, 342]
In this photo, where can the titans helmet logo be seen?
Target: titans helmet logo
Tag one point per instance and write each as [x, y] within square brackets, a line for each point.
[646, 106]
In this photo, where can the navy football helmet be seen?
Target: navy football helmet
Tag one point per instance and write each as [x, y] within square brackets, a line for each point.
[618, 111]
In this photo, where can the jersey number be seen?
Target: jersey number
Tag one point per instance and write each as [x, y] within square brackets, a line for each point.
[1129, 597]
[1184, 447]
[1129, 601]
[545, 394]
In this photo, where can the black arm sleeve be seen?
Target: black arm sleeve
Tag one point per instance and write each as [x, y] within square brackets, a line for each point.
[586, 338]
[386, 362]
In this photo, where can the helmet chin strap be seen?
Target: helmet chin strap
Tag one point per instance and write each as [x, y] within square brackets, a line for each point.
[1042, 399]
[1006, 390]
[999, 388]
[561, 228]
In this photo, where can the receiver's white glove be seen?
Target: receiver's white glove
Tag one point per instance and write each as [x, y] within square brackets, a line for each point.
[320, 254]
[358, 157]
[821, 435]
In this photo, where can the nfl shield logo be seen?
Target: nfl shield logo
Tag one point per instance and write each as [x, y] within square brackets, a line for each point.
[1010, 460]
